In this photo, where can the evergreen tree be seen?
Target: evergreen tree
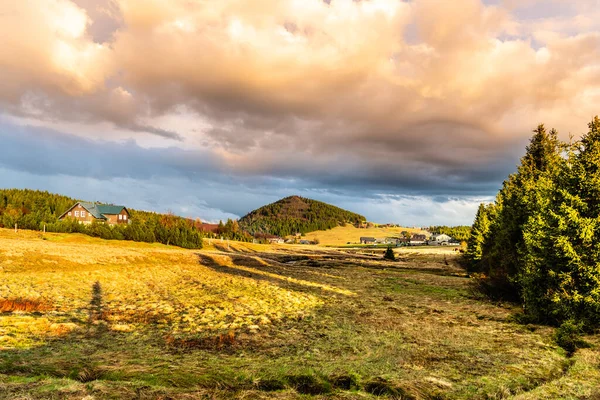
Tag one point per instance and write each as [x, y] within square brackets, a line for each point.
[561, 274]
[389, 254]
[500, 257]
[479, 232]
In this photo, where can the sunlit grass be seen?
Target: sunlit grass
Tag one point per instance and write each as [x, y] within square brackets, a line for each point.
[242, 320]
[341, 235]
[143, 286]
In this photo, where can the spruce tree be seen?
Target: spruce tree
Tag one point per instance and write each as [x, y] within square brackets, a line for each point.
[502, 254]
[476, 240]
[389, 254]
[561, 262]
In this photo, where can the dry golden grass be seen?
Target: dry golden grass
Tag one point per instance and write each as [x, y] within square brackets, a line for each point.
[341, 235]
[141, 283]
[239, 320]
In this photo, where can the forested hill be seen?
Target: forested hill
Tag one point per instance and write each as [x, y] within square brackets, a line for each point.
[296, 214]
[36, 210]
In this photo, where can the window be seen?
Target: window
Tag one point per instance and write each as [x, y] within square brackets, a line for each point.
[120, 217]
[83, 214]
[124, 217]
[77, 213]
[69, 213]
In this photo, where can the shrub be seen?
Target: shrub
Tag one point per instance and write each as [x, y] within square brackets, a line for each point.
[389, 254]
[568, 336]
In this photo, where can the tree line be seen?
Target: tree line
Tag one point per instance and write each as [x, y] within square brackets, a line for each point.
[460, 233]
[540, 239]
[36, 210]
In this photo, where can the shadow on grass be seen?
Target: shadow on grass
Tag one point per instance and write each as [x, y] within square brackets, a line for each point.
[249, 267]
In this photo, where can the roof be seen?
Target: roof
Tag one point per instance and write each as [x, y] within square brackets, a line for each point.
[92, 208]
[367, 238]
[109, 209]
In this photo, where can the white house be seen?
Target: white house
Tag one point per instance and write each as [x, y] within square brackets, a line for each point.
[441, 239]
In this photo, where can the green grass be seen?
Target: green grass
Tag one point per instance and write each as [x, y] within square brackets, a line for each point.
[340, 325]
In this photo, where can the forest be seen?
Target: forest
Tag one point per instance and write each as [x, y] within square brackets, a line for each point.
[460, 233]
[36, 210]
[295, 214]
[539, 242]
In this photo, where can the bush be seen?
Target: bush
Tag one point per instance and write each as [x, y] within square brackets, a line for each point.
[568, 336]
[389, 254]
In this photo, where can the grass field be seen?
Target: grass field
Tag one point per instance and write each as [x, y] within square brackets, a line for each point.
[250, 321]
[341, 235]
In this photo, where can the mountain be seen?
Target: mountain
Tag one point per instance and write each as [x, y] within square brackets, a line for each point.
[296, 214]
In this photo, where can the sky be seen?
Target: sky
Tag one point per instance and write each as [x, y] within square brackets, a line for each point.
[410, 112]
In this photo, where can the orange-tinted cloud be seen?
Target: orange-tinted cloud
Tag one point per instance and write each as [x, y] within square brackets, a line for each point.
[371, 86]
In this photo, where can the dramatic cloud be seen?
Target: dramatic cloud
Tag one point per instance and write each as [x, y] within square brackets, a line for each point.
[384, 98]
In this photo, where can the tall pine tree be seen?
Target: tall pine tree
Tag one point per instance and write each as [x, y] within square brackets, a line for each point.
[501, 255]
[560, 278]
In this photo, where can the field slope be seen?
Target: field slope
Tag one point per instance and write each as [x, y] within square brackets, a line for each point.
[87, 318]
[296, 214]
[342, 235]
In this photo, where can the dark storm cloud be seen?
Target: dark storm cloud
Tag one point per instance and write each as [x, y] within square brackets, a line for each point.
[43, 151]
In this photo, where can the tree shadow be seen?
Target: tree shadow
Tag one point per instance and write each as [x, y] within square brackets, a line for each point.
[250, 267]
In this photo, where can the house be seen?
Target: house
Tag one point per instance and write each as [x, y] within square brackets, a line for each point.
[393, 240]
[417, 239]
[367, 240]
[86, 213]
[441, 239]
[276, 240]
[403, 240]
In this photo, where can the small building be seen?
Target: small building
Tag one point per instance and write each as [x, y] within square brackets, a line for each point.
[86, 213]
[276, 240]
[367, 240]
[441, 239]
[393, 240]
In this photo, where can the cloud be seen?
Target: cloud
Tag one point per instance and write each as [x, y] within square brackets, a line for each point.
[384, 97]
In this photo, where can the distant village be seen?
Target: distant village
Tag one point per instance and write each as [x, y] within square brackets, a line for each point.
[405, 238]
[414, 239]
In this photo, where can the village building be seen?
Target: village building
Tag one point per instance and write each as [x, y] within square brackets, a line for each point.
[367, 240]
[86, 213]
[441, 239]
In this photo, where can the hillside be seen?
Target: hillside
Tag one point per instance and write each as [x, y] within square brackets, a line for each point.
[341, 235]
[40, 210]
[296, 214]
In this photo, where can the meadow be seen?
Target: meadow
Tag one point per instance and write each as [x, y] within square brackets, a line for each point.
[341, 235]
[82, 317]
